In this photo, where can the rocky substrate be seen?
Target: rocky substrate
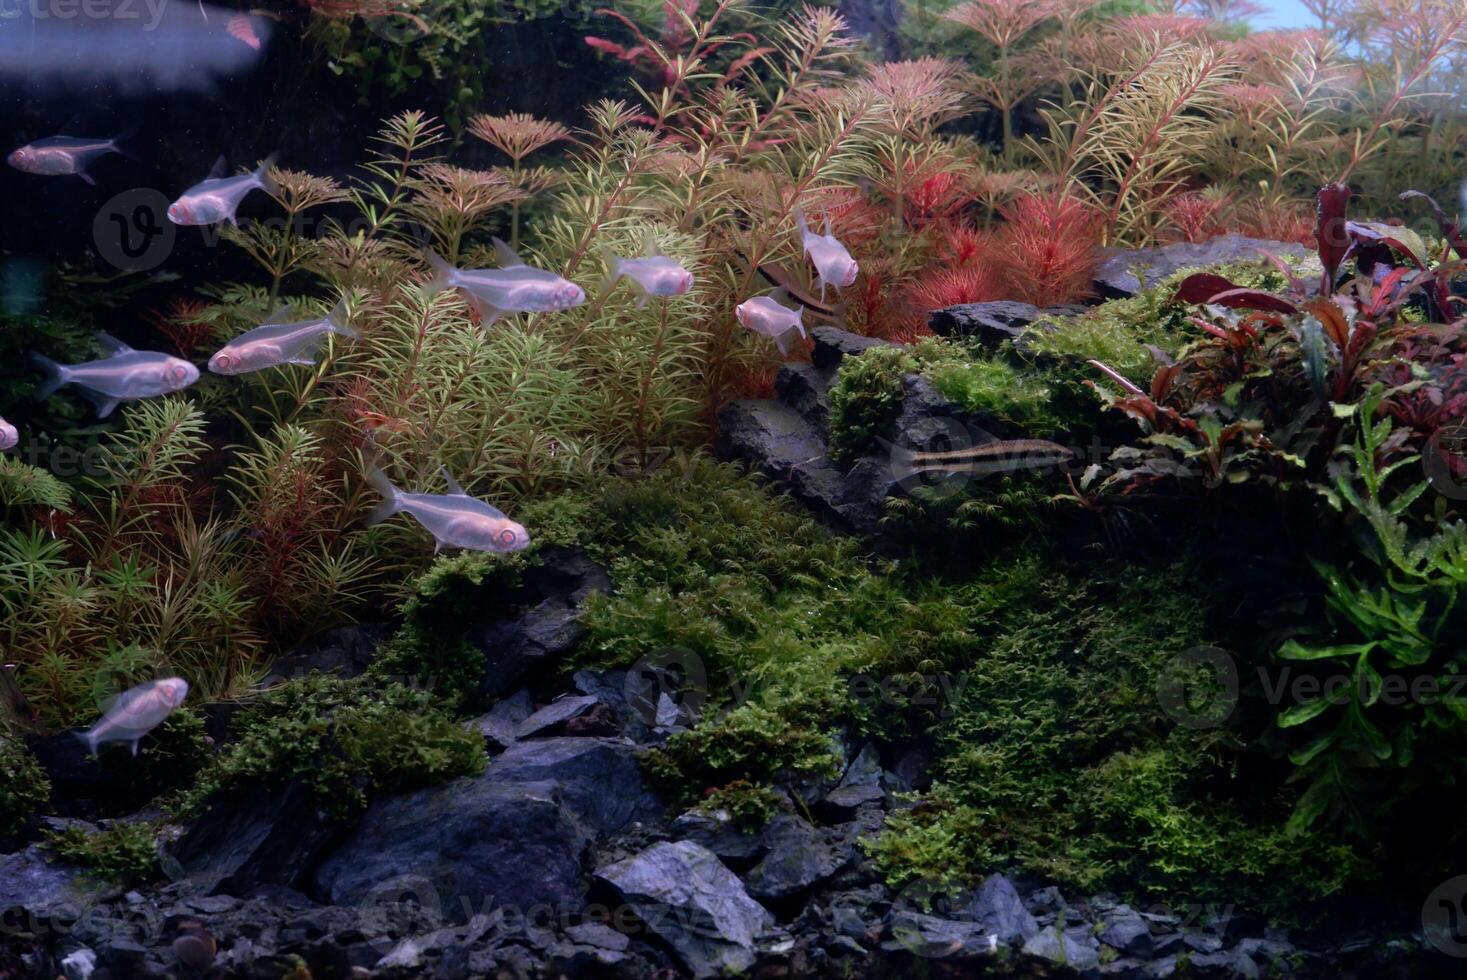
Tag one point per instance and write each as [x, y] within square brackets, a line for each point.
[560, 860]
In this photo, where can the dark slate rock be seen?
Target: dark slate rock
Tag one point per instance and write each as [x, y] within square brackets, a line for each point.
[500, 723]
[113, 783]
[346, 651]
[833, 344]
[599, 778]
[931, 937]
[1117, 275]
[1075, 947]
[35, 892]
[997, 907]
[806, 389]
[686, 896]
[1223, 965]
[798, 857]
[264, 838]
[477, 841]
[545, 624]
[553, 717]
[996, 323]
[1130, 935]
[775, 440]
[719, 833]
[860, 784]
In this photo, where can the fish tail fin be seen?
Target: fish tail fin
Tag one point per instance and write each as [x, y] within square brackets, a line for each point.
[262, 175]
[336, 321]
[391, 496]
[442, 272]
[801, 224]
[86, 738]
[613, 270]
[122, 142]
[800, 322]
[56, 376]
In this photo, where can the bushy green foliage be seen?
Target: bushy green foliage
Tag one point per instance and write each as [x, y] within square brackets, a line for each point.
[124, 852]
[746, 804]
[24, 787]
[344, 740]
[23, 485]
[1059, 758]
[1120, 332]
[868, 392]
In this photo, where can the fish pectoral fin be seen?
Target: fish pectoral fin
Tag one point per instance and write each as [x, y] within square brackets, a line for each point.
[86, 177]
[106, 404]
[303, 361]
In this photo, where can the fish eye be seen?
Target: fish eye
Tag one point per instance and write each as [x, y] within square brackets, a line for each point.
[507, 537]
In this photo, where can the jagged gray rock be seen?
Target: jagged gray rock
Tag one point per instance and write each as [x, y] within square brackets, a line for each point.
[598, 778]
[688, 897]
[35, 890]
[260, 839]
[1125, 272]
[833, 344]
[476, 840]
[997, 907]
[798, 856]
[993, 323]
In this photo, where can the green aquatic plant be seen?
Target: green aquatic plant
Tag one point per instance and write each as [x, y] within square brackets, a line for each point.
[344, 740]
[24, 787]
[868, 391]
[124, 853]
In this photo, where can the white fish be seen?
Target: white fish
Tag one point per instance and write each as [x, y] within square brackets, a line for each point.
[217, 197]
[455, 519]
[135, 712]
[764, 314]
[653, 274]
[125, 376]
[9, 436]
[277, 341]
[833, 264]
[512, 288]
[61, 156]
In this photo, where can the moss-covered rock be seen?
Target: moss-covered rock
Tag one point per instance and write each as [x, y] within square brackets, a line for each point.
[124, 852]
[24, 788]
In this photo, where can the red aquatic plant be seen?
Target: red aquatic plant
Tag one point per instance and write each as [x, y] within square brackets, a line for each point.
[1197, 215]
[678, 45]
[1045, 250]
[184, 323]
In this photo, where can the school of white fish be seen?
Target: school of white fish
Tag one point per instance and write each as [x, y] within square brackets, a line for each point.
[454, 519]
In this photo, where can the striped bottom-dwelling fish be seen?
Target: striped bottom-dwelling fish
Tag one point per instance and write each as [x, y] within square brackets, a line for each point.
[998, 456]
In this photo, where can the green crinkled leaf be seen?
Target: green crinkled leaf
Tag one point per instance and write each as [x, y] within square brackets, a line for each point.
[1300, 713]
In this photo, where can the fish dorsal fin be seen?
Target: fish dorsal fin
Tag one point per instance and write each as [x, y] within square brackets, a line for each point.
[453, 487]
[827, 224]
[781, 295]
[219, 169]
[338, 314]
[112, 344]
[649, 244]
[282, 314]
[507, 255]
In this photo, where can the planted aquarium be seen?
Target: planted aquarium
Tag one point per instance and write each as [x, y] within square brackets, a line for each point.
[706, 488]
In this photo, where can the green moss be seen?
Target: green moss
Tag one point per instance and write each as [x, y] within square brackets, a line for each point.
[747, 804]
[1059, 759]
[124, 852]
[1118, 333]
[345, 740]
[24, 788]
[868, 392]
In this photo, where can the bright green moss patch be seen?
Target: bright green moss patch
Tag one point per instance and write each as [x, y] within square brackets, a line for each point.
[124, 852]
[24, 787]
[1059, 759]
[345, 740]
[868, 393]
[1119, 332]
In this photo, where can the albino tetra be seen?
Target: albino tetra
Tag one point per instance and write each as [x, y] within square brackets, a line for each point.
[653, 274]
[135, 712]
[764, 314]
[278, 341]
[125, 376]
[512, 288]
[217, 197]
[833, 264]
[454, 519]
